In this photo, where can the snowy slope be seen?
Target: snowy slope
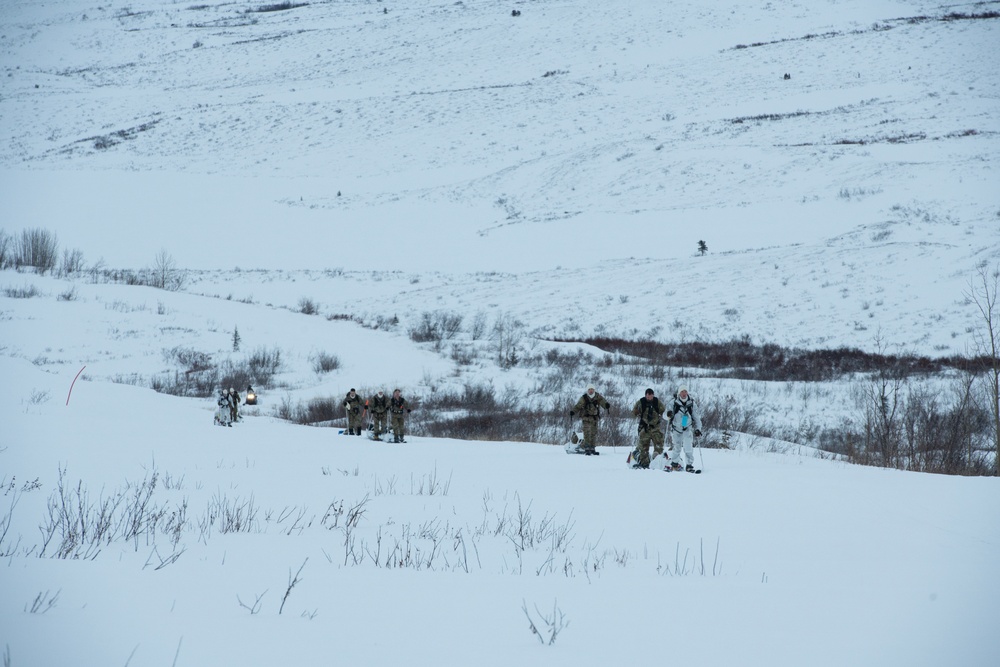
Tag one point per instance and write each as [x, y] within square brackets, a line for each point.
[386, 159]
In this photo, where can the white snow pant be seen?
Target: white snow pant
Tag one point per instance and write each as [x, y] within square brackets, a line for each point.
[683, 439]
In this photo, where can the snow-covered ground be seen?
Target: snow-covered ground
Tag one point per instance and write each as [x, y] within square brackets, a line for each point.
[775, 558]
[386, 159]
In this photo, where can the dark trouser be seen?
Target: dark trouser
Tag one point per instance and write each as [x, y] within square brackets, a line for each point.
[589, 433]
[379, 419]
[354, 424]
[397, 426]
[647, 433]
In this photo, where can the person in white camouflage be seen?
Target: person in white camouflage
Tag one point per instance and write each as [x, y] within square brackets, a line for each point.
[685, 426]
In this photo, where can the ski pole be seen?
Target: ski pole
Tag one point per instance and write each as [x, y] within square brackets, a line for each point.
[701, 458]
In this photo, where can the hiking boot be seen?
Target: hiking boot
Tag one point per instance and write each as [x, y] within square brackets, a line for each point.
[675, 466]
[350, 431]
[689, 468]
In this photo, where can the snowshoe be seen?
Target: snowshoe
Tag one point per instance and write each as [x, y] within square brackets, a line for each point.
[634, 460]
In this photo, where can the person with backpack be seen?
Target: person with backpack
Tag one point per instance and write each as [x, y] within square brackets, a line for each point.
[649, 410]
[399, 408]
[223, 416]
[355, 418]
[589, 406]
[233, 398]
[378, 407]
[685, 426]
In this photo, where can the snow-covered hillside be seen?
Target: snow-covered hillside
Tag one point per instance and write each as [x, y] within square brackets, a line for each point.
[370, 161]
[859, 192]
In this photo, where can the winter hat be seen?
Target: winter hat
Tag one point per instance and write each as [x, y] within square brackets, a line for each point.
[649, 391]
[682, 390]
[590, 388]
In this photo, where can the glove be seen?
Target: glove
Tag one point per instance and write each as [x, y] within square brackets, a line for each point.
[572, 414]
[670, 415]
[697, 433]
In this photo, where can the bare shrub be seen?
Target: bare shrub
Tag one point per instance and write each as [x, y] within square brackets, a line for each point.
[79, 527]
[984, 292]
[478, 327]
[741, 359]
[554, 623]
[6, 250]
[229, 515]
[307, 306]
[913, 428]
[436, 326]
[164, 273]
[26, 292]
[507, 335]
[262, 365]
[72, 262]
[325, 363]
[38, 248]
[278, 7]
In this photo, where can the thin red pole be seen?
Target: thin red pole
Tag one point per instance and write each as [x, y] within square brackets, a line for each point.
[71, 385]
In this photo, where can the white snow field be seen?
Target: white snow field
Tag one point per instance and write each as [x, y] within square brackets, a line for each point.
[385, 159]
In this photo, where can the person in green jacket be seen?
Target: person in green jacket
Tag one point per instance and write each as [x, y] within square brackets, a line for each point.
[398, 408]
[355, 418]
[649, 409]
[589, 408]
[378, 408]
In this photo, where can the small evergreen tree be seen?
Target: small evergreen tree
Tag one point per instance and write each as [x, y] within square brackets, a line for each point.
[236, 339]
[702, 247]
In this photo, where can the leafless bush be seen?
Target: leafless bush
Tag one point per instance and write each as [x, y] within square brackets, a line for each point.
[278, 7]
[26, 292]
[507, 336]
[79, 527]
[292, 581]
[6, 250]
[307, 306]
[741, 359]
[554, 623]
[72, 262]
[42, 603]
[913, 428]
[198, 376]
[38, 248]
[725, 414]
[229, 515]
[478, 327]
[325, 363]
[436, 326]
[164, 273]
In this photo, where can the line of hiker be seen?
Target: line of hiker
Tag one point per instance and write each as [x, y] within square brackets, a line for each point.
[679, 417]
[381, 411]
[229, 402]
